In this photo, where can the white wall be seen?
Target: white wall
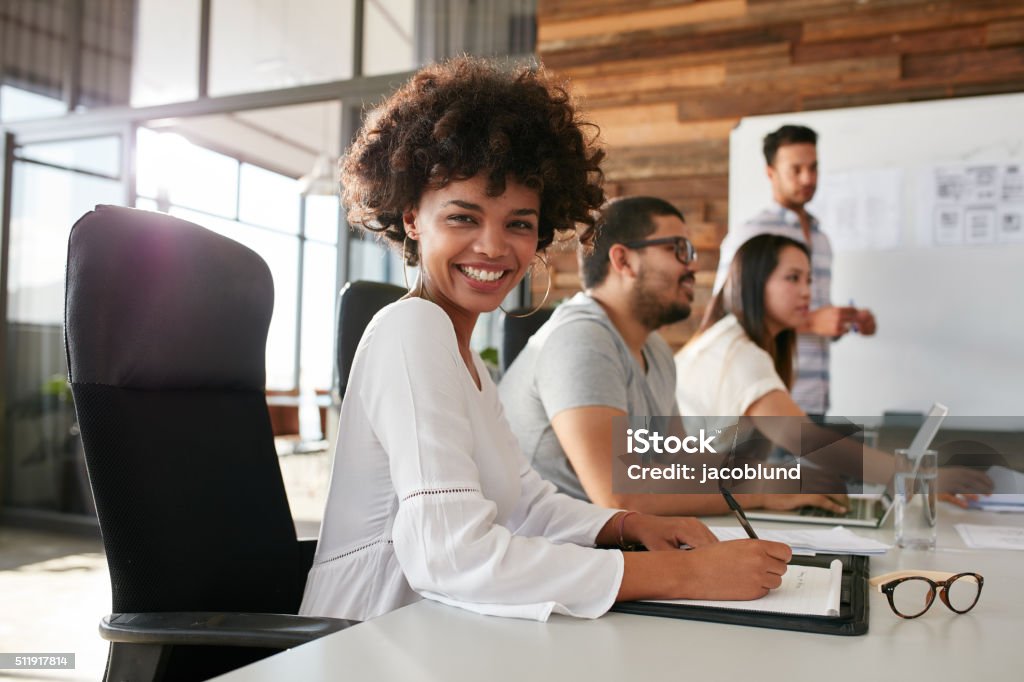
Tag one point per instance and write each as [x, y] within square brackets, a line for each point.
[951, 319]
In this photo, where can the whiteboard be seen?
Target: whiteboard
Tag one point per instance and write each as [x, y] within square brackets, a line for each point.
[950, 318]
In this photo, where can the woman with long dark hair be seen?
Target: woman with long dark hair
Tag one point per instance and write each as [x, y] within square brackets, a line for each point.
[741, 364]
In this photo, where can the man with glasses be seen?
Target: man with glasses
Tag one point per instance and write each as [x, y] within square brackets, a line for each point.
[598, 358]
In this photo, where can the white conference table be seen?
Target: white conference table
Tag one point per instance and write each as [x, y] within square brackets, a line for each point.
[429, 641]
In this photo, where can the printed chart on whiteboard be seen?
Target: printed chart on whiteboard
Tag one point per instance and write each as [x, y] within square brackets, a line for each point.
[976, 203]
[860, 210]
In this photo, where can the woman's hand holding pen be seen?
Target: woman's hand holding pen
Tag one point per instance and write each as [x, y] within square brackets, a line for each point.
[738, 569]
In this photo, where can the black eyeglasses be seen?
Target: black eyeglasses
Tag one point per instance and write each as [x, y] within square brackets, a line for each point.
[686, 253]
[912, 593]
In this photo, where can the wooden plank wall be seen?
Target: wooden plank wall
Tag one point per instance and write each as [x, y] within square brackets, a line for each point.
[667, 80]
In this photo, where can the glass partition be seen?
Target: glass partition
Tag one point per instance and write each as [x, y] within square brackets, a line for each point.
[17, 104]
[53, 185]
[319, 294]
[268, 44]
[166, 66]
[229, 191]
[268, 199]
[171, 169]
[389, 36]
[100, 155]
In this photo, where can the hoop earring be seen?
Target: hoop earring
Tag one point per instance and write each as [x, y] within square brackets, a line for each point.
[405, 262]
[544, 300]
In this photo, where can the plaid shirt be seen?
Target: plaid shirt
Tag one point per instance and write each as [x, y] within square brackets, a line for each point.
[810, 390]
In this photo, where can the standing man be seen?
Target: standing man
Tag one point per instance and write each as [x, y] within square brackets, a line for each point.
[791, 155]
[598, 358]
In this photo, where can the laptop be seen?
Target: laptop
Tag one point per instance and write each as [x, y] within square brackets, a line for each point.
[867, 510]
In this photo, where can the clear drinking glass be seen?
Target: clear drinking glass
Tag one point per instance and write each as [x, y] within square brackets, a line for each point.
[915, 497]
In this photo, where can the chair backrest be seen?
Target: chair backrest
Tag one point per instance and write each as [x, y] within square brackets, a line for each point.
[165, 328]
[358, 302]
[518, 330]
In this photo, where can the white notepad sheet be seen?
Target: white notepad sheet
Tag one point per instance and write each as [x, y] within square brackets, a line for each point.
[991, 537]
[837, 540]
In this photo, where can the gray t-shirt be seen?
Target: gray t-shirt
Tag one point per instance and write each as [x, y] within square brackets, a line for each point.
[579, 359]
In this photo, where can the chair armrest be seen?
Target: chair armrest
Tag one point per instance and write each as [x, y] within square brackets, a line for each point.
[307, 549]
[266, 630]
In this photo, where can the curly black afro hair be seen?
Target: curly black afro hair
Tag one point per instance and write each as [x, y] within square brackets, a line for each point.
[467, 116]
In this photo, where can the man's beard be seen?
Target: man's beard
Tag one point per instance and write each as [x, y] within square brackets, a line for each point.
[797, 197]
[647, 306]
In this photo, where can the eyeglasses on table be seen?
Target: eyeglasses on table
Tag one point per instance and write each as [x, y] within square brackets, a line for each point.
[912, 593]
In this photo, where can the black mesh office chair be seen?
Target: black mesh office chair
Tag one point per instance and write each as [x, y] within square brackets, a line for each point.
[518, 330]
[165, 327]
[358, 302]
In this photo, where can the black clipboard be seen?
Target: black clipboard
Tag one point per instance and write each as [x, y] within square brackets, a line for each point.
[853, 605]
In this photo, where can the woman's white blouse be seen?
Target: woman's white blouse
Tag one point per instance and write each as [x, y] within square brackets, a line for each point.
[431, 497]
[723, 372]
